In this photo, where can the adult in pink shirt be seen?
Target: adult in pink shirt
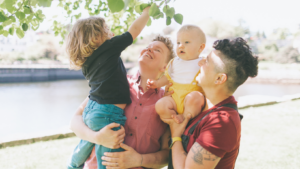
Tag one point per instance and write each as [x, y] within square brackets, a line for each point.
[214, 135]
[146, 136]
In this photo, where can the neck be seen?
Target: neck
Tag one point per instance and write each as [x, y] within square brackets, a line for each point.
[215, 96]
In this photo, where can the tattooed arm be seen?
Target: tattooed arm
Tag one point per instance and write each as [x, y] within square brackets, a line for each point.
[200, 158]
[197, 157]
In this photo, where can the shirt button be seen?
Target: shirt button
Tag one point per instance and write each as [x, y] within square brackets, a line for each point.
[140, 104]
[135, 117]
[130, 134]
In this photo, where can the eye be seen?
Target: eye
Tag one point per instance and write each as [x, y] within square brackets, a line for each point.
[187, 42]
[178, 43]
[157, 50]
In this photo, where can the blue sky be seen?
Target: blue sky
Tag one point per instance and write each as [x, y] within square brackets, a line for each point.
[259, 15]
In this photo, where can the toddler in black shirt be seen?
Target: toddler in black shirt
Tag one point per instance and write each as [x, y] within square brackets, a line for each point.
[92, 48]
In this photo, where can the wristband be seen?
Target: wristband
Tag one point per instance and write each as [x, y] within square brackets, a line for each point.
[173, 140]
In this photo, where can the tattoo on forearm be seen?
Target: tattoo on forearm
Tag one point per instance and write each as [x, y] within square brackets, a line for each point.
[201, 154]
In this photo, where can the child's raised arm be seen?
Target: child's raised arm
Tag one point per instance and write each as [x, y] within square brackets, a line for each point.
[138, 25]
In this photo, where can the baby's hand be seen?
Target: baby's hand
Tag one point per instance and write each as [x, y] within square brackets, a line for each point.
[152, 84]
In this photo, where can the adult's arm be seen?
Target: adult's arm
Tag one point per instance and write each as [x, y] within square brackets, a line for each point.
[197, 157]
[106, 136]
[130, 158]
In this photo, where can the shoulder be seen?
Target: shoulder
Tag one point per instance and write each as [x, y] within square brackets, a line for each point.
[225, 116]
[121, 38]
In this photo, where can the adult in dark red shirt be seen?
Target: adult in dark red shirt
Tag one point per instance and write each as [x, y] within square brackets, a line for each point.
[215, 140]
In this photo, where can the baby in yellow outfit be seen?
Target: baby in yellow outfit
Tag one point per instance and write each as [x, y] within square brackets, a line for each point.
[182, 72]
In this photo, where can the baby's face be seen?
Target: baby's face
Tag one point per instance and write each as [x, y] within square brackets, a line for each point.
[188, 45]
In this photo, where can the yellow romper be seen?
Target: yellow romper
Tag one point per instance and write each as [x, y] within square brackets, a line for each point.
[181, 90]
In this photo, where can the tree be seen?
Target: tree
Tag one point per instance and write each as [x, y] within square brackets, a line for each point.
[17, 16]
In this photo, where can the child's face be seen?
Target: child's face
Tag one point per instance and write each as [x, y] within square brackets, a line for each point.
[188, 45]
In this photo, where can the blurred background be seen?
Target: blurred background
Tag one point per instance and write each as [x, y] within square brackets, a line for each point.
[34, 106]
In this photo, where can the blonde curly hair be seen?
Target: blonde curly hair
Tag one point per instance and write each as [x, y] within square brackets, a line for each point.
[81, 41]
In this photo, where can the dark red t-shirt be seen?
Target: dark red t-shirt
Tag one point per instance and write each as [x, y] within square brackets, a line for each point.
[219, 133]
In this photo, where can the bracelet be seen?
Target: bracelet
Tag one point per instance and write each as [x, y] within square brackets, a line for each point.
[142, 160]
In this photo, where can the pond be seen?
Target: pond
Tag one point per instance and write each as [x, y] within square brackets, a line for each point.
[29, 108]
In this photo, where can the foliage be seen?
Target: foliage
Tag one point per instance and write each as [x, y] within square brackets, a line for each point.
[17, 16]
[220, 29]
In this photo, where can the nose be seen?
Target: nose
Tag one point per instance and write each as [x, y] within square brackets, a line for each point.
[202, 61]
[180, 45]
[150, 50]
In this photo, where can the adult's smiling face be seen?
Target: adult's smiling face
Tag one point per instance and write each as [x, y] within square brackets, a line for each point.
[153, 59]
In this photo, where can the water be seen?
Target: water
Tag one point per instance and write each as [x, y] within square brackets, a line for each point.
[27, 108]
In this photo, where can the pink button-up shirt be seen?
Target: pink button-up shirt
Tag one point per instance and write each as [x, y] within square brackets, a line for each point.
[143, 127]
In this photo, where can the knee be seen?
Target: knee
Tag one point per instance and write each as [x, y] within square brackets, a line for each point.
[161, 105]
[194, 99]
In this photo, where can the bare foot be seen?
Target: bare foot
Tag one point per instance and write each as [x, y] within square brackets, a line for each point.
[179, 118]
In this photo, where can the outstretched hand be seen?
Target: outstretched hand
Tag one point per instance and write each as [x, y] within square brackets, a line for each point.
[152, 84]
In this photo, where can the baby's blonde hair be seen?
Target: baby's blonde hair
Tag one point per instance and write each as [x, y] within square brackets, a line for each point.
[200, 32]
[81, 40]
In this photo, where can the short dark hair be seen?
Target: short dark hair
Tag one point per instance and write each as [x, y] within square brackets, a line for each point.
[239, 62]
[167, 41]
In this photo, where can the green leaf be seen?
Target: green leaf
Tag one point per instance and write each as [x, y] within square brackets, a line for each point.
[9, 4]
[1, 1]
[143, 6]
[3, 18]
[138, 9]
[24, 26]
[44, 3]
[178, 18]
[168, 22]
[35, 22]
[20, 15]
[35, 27]
[12, 18]
[149, 22]
[162, 2]
[1, 27]
[160, 15]
[11, 31]
[170, 12]
[7, 22]
[20, 33]
[154, 10]
[5, 33]
[27, 10]
[165, 8]
[115, 5]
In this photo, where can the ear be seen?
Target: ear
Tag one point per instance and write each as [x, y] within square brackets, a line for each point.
[201, 48]
[221, 78]
[163, 68]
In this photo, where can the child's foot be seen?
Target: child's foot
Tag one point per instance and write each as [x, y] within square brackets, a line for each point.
[179, 118]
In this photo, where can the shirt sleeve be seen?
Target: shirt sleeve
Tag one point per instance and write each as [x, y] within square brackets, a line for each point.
[218, 135]
[121, 42]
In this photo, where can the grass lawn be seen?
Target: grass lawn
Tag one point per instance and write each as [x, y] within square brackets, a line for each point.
[270, 140]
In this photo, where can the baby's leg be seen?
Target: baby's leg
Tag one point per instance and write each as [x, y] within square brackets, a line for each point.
[193, 103]
[165, 107]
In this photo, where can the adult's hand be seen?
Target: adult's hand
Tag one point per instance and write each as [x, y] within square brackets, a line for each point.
[110, 138]
[177, 129]
[167, 92]
[126, 159]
